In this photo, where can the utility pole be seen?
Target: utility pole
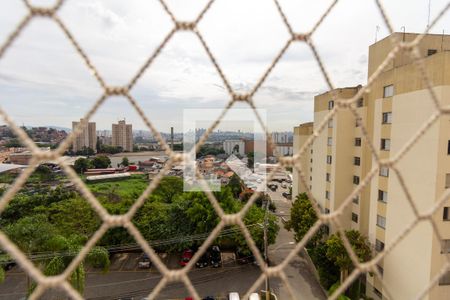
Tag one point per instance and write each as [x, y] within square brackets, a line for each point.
[266, 257]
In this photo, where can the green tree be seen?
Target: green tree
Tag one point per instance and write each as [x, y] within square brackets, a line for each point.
[101, 162]
[328, 271]
[303, 217]
[235, 184]
[82, 164]
[337, 253]
[125, 162]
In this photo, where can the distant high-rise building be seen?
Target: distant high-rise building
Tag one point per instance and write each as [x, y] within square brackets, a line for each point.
[87, 138]
[122, 136]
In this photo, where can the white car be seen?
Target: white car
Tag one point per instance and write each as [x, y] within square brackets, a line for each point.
[254, 296]
[233, 296]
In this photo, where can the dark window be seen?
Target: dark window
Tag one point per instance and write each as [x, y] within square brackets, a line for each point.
[380, 269]
[327, 195]
[385, 144]
[431, 52]
[310, 178]
[447, 181]
[327, 211]
[382, 196]
[446, 215]
[448, 148]
[354, 217]
[360, 102]
[355, 179]
[387, 118]
[358, 142]
[445, 246]
[330, 105]
[357, 161]
[356, 200]
[358, 122]
[378, 293]
[311, 159]
[311, 151]
[445, 280]
[329, 159]
[379, 245]
[328, 177]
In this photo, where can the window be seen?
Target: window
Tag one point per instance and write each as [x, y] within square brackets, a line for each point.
[327, 211]
[358, 122]
[431, 52]
[446, 215]
[330, 105]
[380, 269]
[330, 123]
[329, 159]
[385, 144]
[447, 181]
[445, 280]
[360, 102]
[387, 118]
[358, 142]
[327, 195]
[355, 179]
[310, 160]
[354, 217]
[328, 177]
[381, 221]
[378, 293]
[330, 141]
[445, 247]
[311, 151]
[384, 171]
[379, 246]
[310, 178]
[310, 169]
[356, 200]
[448, 148]
[357, 161]
[382, 196]
[388, 91]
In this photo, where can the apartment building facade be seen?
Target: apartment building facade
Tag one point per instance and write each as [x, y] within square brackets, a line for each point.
[122, 136]
[394, 109]
[301, 135]
[87, 138]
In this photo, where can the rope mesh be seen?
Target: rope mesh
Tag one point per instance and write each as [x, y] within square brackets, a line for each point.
[109, 221]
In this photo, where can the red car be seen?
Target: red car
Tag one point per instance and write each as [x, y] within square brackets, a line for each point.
[186, 257]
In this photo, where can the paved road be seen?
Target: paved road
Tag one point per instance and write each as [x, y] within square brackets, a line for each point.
[300, 276]
[124, 279]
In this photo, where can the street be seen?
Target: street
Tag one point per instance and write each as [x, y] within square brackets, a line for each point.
[125, 279]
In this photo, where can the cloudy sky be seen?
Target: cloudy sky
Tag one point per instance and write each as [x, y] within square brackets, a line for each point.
[44, 82]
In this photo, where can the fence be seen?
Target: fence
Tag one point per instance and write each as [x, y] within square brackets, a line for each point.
[109, 221]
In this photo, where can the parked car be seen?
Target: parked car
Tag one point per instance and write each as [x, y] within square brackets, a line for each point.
[204, 260]
[244, 259]
[144, 262]
[186, 257]
[216, 257]
[254, 296]
[286, 195]
[233, 296]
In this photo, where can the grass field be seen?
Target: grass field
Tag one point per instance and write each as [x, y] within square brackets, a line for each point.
[124, 189]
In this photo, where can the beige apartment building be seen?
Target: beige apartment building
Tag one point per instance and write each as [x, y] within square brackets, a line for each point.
[396, 106]
[122, 136]
[87, 138]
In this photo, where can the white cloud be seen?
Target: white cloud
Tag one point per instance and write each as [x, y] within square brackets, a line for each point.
[42, 70]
